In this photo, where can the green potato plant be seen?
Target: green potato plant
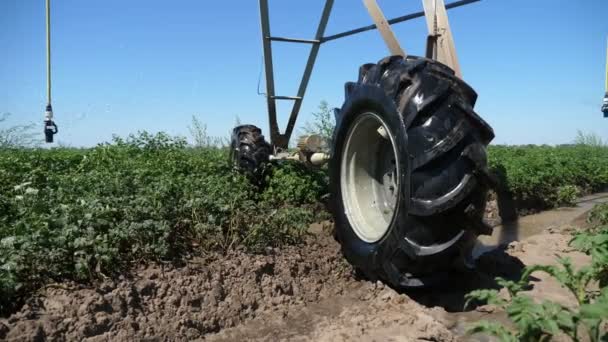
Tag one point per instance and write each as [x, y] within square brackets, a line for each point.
[85, 214]
[539, 321]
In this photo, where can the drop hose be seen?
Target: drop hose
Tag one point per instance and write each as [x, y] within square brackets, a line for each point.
[50, 128]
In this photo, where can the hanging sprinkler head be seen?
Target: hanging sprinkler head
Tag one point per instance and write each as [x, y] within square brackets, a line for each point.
[50, 128]
[605, 103]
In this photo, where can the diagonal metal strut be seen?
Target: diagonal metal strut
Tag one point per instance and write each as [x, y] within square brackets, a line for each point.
[384, 27]
[278, 139]
[443, 43]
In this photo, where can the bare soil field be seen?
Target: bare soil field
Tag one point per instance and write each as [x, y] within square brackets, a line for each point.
[299, 293]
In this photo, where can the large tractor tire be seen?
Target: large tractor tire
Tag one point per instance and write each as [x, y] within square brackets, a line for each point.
[408, 173]
[249, 151]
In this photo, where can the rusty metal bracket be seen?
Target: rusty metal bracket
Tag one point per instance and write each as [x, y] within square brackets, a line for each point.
[440, 43]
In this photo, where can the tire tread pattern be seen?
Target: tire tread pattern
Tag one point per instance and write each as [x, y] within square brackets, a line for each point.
[249, 149]
[447, 150]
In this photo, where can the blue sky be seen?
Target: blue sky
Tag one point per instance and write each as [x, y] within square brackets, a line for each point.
[122, 66]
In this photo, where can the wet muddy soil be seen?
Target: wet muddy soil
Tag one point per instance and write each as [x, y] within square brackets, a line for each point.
[305, 292]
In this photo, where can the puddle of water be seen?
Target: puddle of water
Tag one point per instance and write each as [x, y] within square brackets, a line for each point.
[530, 225]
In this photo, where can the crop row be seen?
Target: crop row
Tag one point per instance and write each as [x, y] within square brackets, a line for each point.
[541, 177]
[84, 213]
[81, 214]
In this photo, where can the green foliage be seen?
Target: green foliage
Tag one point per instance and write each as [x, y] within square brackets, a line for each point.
[201, 139]
[533, 321]
[589, 139]
[536, 321]
[567, 194]
[82, 214]
[293, 183]
[494, 329]
[597, 310]
[540, 177]
[574, 280]
[594, 241]
[18, 135]
[323, 122]
[598, 216]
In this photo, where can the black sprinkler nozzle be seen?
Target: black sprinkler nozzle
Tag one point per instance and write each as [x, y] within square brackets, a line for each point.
[50, 128]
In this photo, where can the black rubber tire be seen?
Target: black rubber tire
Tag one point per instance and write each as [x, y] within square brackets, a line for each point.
[444, 184]
[249, 151]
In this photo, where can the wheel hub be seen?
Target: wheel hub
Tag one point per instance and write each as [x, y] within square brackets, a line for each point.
[370, 177]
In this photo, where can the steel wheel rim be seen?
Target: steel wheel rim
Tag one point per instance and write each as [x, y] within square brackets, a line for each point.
[369, 177]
